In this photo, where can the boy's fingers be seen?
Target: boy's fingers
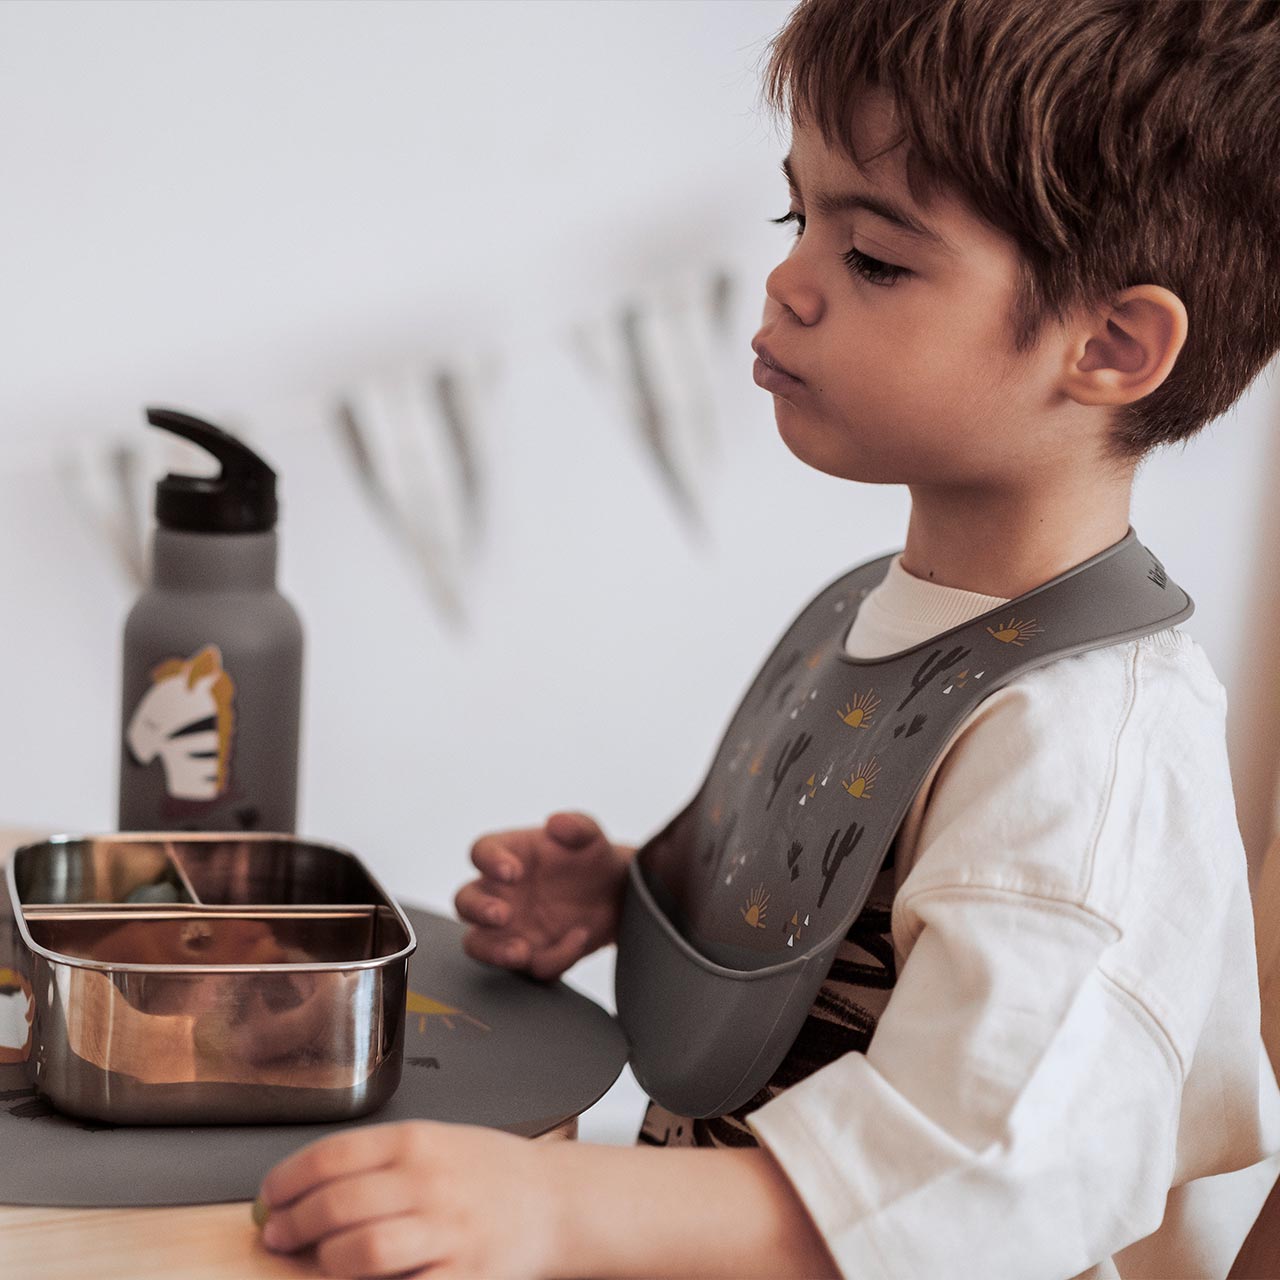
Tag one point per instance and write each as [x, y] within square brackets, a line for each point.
[573, 829]
[473, 903]
[393, 1246]
[493, 856]
[493, 947]
[336, 1206]
[350, 1151]
[552, 961]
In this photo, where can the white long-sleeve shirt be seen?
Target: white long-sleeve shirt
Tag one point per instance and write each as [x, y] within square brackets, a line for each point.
[1068, 1077]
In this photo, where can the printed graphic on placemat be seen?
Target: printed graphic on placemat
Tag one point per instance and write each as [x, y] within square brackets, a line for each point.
[16, 1012]
[424, 1008]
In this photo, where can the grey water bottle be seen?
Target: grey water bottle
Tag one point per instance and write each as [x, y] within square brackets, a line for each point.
[212, 685]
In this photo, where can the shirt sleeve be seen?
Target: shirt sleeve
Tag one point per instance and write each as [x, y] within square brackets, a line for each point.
[1016, 1112]
[1012, 1117]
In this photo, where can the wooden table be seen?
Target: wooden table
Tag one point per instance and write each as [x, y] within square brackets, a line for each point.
[194, 1242]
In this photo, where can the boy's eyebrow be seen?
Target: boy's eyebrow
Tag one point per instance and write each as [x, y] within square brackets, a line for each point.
[829, 204]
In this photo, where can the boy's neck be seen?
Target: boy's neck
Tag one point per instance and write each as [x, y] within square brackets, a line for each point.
[1006, 543]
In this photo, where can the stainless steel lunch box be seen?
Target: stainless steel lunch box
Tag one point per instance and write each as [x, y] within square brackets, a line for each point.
[209, 978]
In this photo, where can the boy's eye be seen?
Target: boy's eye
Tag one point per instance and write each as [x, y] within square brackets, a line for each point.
[870, 269]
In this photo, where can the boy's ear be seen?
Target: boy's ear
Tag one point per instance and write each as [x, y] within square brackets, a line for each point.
[1124, 351]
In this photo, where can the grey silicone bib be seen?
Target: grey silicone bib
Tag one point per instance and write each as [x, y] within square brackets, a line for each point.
[734, 910]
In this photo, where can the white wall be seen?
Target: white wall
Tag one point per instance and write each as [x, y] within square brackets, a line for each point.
[244, 210]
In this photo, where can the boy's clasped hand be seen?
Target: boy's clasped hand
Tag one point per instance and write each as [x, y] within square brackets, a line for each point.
[383, 1200]
[461, 1200]
[547, 896]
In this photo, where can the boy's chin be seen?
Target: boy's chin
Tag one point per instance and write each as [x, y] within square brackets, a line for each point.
[815, 452]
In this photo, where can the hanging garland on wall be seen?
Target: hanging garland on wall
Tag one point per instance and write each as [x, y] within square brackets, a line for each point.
[412, 439]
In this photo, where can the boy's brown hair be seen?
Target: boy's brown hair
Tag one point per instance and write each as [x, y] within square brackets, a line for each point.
[1118, 142]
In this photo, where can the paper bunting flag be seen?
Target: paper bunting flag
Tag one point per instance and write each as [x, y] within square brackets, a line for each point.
[104, 483]
[655, 353]
[413, 438]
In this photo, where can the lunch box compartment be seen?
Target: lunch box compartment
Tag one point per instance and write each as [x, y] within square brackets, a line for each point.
[98, 872]
[271, 871]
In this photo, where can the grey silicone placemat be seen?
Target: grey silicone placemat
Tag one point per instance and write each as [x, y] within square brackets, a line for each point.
[482, 1046]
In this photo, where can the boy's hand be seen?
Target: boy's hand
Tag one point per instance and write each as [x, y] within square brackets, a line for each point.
[547, 897]
[381, 1200]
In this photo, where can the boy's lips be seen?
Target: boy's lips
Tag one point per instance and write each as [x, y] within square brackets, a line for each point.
[767, 356]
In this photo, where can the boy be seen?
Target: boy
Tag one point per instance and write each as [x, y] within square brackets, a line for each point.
[1034, 242]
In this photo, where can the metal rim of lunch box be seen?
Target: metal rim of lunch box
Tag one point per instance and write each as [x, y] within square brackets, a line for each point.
[204, 837]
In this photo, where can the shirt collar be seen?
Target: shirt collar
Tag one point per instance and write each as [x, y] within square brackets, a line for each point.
[903, 610]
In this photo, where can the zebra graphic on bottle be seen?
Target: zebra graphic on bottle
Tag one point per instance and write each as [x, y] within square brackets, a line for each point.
[186, 718]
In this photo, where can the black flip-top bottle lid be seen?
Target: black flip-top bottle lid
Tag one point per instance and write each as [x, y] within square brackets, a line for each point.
[241, 498]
